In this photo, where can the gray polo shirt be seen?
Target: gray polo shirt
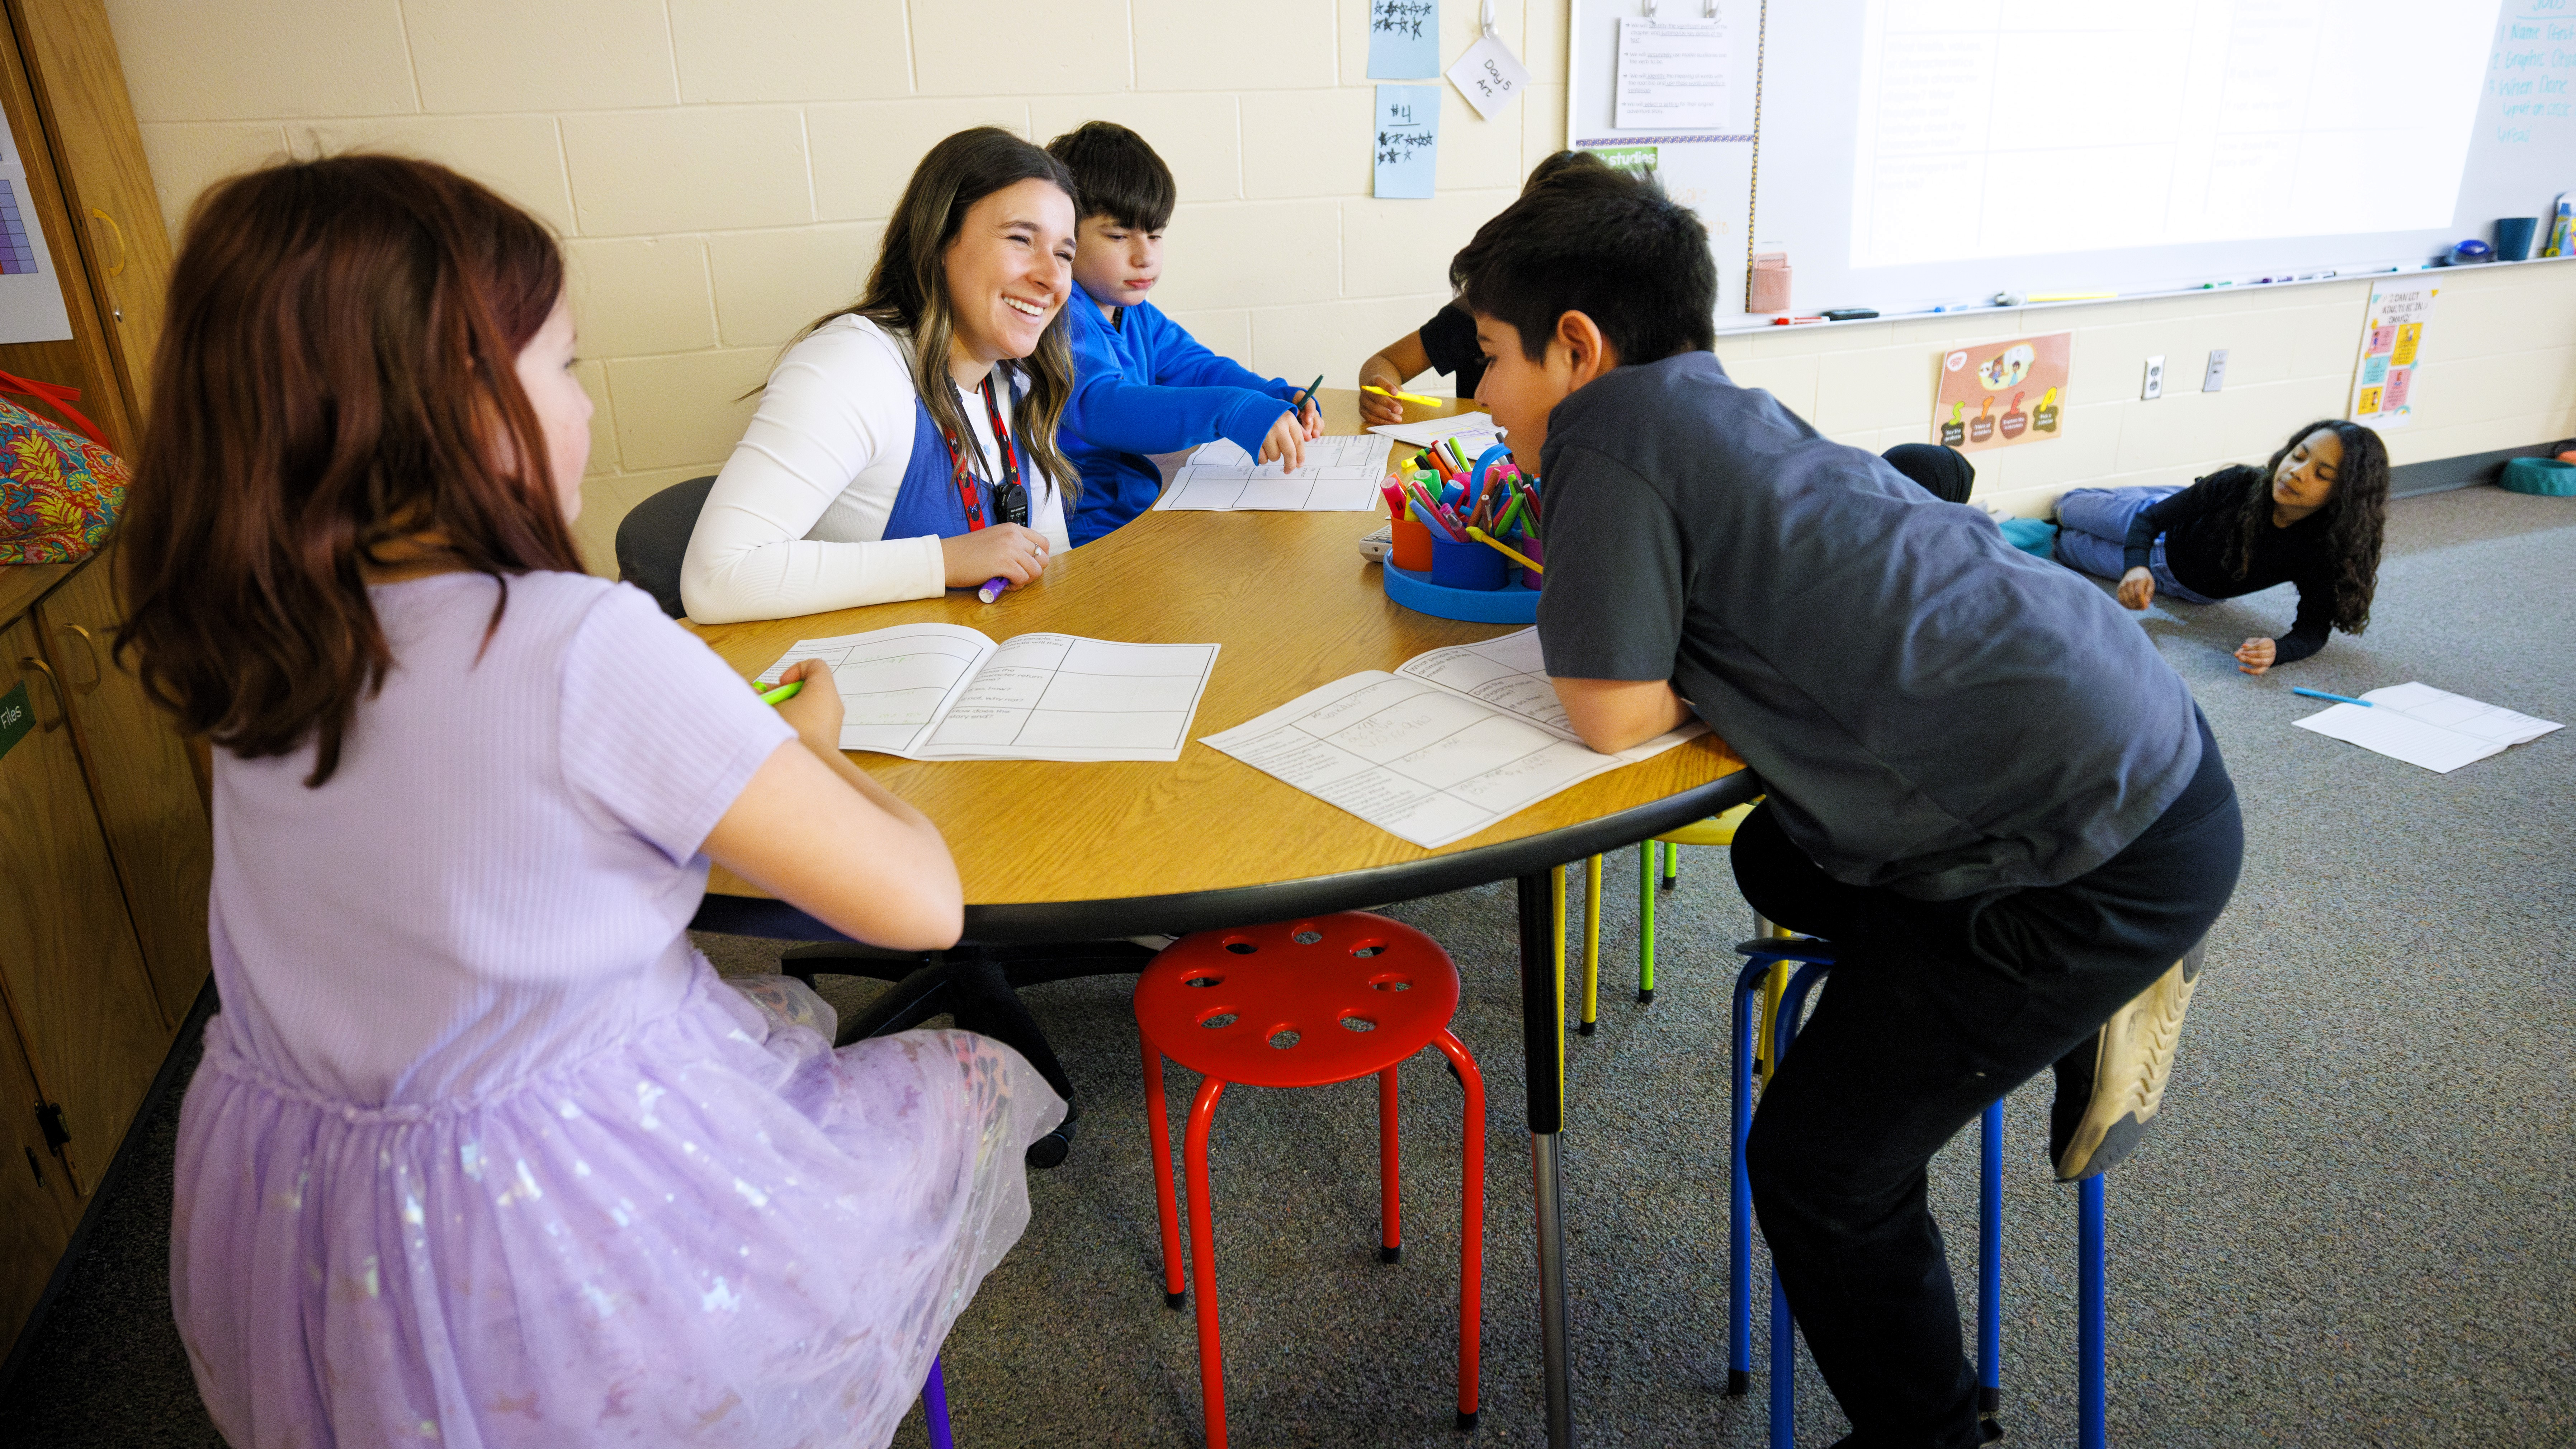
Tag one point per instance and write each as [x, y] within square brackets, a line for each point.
[1935, 711]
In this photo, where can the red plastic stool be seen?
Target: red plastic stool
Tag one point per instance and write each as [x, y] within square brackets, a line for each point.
[1303, 1004]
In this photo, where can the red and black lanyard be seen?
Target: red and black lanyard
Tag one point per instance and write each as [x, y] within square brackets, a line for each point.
[1010, 496]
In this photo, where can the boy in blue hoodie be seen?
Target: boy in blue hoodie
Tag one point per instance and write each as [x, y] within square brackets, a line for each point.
[1140, 383]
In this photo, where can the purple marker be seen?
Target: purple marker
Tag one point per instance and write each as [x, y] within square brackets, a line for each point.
[992, 589]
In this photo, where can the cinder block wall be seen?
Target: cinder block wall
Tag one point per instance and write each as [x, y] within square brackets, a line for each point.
[720, 170]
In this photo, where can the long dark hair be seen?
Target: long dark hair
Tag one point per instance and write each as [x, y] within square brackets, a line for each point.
[2356, 514]
[338, 372]
[907, 289]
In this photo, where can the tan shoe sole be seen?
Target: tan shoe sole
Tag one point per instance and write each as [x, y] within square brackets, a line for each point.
[2135, 1053]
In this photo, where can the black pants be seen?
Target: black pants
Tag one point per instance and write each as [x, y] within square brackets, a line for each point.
[1934, 1011]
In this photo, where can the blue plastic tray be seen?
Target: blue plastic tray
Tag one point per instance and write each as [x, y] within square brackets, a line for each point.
[1514, 605]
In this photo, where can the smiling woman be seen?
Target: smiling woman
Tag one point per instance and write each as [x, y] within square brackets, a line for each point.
[907, 443]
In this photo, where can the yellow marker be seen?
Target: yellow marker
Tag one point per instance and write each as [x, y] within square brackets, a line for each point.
[1515, 555]
[782, 693]
[1404, 396]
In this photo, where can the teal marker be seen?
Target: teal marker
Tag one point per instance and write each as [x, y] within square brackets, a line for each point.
[782, 693]
[2337, 698]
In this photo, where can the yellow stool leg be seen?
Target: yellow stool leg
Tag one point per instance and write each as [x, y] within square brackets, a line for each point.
[1591, 945]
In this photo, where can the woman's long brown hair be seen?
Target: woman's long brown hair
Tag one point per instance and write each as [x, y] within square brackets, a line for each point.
[338, 373]
[907, 290]
[2356, 515]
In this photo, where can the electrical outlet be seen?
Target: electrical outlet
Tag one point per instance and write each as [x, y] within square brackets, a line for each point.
[2155, 387]
[2216, 376]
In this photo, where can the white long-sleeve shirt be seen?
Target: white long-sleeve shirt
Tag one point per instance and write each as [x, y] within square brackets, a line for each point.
[796, 521]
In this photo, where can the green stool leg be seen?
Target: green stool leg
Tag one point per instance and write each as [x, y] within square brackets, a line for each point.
[1672, 866]
[1646, 851]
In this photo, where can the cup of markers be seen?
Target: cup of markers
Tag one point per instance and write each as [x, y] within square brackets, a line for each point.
[1468, 535]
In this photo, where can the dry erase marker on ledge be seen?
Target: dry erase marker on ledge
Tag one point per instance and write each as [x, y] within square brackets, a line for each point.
[2321, 694]
[782, 693]
[1794, 321]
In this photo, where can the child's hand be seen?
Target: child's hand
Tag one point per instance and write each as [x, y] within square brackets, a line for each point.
[2254, 656]
[1313, 414]
[2138, 589]
[815, 712]
[1286, 444]
[1003, 551]
[1376, 409]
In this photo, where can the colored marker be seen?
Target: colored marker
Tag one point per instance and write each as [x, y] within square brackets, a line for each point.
[2337, 698]
[782, 693]
[1402, 396]
[1509, 552]
[1794, 321]
[992, 589]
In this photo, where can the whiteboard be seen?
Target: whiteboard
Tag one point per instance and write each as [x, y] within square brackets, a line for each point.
[2125, 148]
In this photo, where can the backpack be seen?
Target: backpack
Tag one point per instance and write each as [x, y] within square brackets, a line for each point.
[59, 490]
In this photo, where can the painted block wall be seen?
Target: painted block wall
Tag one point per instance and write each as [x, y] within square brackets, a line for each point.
[721, 169]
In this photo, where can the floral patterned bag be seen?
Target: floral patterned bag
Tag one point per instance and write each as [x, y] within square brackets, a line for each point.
[59, 489]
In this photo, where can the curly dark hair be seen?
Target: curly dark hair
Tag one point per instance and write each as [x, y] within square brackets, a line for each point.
[2355, 515]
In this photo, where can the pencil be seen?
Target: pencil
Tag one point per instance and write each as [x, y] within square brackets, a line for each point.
[1509, 552]
[1401, 396]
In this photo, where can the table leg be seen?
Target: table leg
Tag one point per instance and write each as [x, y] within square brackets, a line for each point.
[1543, 1052]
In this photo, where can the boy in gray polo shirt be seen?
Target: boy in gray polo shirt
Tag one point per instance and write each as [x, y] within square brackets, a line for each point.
[1984, 784]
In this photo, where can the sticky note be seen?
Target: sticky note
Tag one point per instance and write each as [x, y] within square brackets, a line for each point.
[1489, 76]
[1404, 39]
[1407, 144]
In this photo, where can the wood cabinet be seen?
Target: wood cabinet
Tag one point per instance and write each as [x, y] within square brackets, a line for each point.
[37, 1206]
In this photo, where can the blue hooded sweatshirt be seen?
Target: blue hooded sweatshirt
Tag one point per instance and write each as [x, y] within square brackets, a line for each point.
[1147, 386]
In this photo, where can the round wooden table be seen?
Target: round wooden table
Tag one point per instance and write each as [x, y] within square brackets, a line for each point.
[1060, 852]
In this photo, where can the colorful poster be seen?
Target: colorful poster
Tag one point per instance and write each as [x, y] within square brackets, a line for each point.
[1404, 39]
[1408, 141]
[2000, 394]
[2392, 336]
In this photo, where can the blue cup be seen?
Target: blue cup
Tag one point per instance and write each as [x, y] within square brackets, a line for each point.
[1467, 564]
[2513, 237]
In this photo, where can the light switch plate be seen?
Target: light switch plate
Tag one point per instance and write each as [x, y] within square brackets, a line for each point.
[2155, 387]
[2216, 376]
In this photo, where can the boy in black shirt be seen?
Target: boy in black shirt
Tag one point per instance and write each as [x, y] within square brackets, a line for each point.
[1984, 784]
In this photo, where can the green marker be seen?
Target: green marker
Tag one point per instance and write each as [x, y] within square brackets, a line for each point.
[781, 694]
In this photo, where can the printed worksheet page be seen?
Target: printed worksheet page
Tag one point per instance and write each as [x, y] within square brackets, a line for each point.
[1419, 760]
[942, 692]
[1506, 673]
[1341, 476]
[2421, 725]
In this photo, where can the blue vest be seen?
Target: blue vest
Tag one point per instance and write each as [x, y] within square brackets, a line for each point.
[927, 503]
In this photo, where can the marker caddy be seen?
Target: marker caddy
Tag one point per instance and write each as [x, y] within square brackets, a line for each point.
[1462, 578]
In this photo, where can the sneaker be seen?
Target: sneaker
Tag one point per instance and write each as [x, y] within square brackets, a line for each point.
[1051, 1150]
[2108, 1091]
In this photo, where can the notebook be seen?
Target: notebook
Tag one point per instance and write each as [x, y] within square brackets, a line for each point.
[1451, 742]
[945, 692]
[2425, 726]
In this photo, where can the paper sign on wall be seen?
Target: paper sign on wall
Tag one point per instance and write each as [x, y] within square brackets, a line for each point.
[1489, 76]
[1672, 75]
[2392, 333]
[1404, 39]
[1408, 140]
[31, 294]
[1999, 394]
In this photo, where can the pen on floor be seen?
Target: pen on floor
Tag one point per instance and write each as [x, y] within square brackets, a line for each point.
[1400, 396]
[781, 694]
[2337, 698]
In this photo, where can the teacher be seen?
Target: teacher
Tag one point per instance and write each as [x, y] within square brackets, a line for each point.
[906, 444]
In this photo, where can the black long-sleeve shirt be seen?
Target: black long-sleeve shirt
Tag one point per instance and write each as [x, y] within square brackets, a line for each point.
[2199, 524]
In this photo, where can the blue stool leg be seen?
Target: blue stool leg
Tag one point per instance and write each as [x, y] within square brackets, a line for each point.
[934, 1407]
[2092, 1429]
[1990, 1263]
[1784, 1328]
[1739, 1222]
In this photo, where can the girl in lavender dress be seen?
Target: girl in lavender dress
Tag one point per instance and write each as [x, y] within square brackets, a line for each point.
[481, 1152]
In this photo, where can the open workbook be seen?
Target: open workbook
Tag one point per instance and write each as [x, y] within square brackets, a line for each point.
[944, 692]
[1451, 742]
[2421, 725]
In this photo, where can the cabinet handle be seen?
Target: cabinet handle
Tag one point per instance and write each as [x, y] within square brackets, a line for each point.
[62, 703]
[89, 645]
[118, 232]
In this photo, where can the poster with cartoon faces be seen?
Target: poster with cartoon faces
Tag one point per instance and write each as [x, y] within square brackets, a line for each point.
[2001, 394]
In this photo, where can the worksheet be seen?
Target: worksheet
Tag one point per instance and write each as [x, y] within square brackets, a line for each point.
[944, 692]
[1474, 431]
[2425, 726]
[1451, 742]
[1341, 476]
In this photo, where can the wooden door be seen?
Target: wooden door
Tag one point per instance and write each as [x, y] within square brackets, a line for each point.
[79, 85]
[36, 1208]
[141, 780]
[70, 972]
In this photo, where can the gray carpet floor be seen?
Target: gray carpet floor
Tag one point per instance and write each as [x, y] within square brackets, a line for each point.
[2354, 1223]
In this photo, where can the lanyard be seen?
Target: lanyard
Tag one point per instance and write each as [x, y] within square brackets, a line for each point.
[1010, 497]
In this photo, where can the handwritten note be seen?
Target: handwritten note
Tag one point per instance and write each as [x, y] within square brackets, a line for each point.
[1407, 140]
[1404, 39]
[1489, 76]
